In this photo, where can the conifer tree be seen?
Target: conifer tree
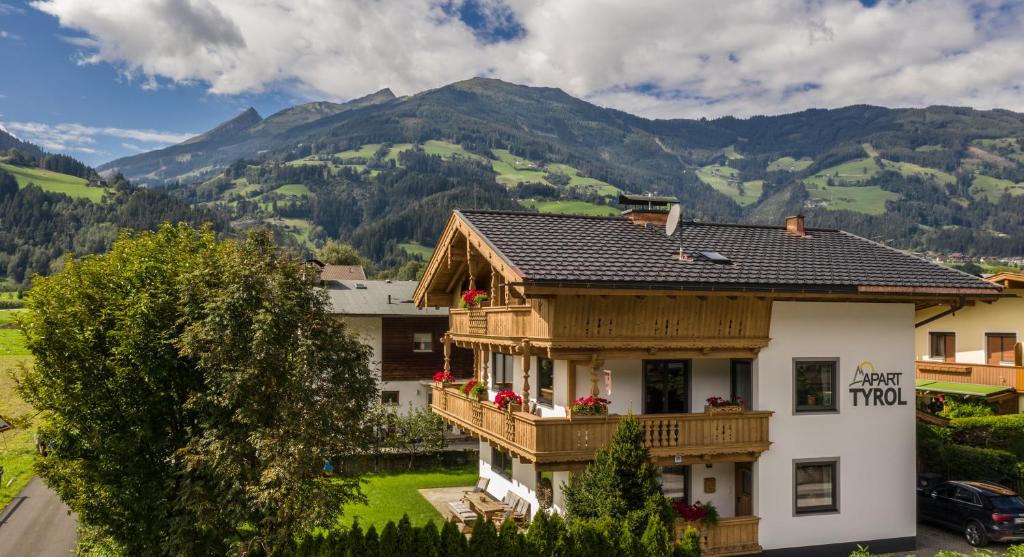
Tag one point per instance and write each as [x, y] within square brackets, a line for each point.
[656, 540]
[355, 545]
[428, 541]
[406, 537]
[511, 542]
[389, 544]
[371, 543]
[453, 543]
[484, 540]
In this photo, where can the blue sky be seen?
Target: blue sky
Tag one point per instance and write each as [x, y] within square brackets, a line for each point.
[100, 79]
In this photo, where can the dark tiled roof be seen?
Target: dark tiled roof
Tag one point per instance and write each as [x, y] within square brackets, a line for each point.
[613, 250]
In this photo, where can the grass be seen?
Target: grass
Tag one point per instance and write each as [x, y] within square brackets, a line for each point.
[731, 154]
[447, 150]
[859, 171]
[569, 207]
[54, 182]
[293, 189]
[416, 249]
[391, 495]
[12, 341]
[396, 149]
[862, 199]
[1008, 147]
[789, 164]
[583, 183]
[365, 152]
[993, 188]
[725, 180]
[512, 170]
[19, 443]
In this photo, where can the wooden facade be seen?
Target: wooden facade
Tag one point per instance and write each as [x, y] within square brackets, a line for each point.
[731, 536]
[560, 443]
[401, 362]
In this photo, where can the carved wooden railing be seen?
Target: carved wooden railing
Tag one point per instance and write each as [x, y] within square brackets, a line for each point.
[731, 536]
[731, 436]
[498, 321]
[1002, 376]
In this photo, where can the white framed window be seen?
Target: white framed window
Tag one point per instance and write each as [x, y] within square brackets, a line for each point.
[389, 398]
[422, 342]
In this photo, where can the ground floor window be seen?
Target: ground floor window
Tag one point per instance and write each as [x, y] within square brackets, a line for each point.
[501, 463]
[389, 398]
[675, 483]
[815, 486]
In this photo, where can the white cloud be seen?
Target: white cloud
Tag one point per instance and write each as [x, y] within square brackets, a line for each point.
[662, 58]
[71, 137]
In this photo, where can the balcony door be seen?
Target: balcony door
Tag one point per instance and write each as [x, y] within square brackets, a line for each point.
[666, 386]
[742, 382]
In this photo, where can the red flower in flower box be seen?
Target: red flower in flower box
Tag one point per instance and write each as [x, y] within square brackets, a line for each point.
[469, 386]
[444, 377]
[590, 406]
[504, 398]
[474, 297]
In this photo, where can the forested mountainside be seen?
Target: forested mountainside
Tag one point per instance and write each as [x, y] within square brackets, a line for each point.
[943, 179]
[52, 205]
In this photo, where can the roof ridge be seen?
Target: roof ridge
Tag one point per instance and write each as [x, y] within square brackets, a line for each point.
[909, 254]
[538, 214]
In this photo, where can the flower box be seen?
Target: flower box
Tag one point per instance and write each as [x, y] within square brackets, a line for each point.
[719, 405]
[474, 390]
[444, 378]
[473, 298]
[589, 406]
[505, 400]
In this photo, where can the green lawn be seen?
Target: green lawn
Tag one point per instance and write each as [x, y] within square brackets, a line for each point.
[12, 341]
[54, 182]
[365, 152]
[391, 495]
[396, 149]
[993, 188]
[19, 443]
[862, 199]
[789, 164]
[512, 170]
[417, 250]
[569, 207]
[293, 189]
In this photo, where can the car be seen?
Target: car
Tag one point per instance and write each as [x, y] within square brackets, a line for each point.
[983, 511]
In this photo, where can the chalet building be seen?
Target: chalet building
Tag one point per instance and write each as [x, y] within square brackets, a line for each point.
[405, 340]
[812, 328]
[974, 348]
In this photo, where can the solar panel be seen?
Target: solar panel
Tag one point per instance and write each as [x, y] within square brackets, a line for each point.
[715, 257]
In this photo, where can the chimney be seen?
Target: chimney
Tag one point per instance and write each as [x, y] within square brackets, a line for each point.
[647, 209]
[795, 226]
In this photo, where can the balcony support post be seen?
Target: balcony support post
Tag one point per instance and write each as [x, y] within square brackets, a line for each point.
[525, 348]
[596, 364]
[485, 357]
[447, 340]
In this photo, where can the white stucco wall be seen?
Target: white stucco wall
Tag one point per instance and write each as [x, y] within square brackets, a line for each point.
[970, 325]
[724, 497]
[523, 481]
[370, 332]
[875, 445]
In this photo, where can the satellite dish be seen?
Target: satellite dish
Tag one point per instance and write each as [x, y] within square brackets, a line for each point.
[673, 220]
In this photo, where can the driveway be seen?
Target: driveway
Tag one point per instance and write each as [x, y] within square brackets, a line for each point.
[931, 540]
[37, 524]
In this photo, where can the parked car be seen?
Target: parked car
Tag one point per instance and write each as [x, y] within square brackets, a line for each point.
[983, 511]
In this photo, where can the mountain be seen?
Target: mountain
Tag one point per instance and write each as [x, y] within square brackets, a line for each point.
[9, 142]
[943, 179]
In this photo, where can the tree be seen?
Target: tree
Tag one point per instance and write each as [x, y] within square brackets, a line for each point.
[192, 389]
[621, 483]
[340, 253]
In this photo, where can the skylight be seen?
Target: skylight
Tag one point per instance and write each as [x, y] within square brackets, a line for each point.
[715, 257]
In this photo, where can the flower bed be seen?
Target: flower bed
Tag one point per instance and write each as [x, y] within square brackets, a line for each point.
[590, 406]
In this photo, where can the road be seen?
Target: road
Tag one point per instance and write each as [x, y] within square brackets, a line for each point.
[37, 524]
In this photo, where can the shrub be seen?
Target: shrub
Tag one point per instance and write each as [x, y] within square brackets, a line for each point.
[976, 463]
[689, 544]
[965, 408]
[656, 540]
[994, 432]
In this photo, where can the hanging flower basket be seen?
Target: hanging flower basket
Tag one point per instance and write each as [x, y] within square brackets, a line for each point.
[590, 406]
[444, 378]
[473, 298]
[508, 400]
[719, 405]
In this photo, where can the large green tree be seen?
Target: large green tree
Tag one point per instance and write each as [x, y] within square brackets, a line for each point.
[192, 389]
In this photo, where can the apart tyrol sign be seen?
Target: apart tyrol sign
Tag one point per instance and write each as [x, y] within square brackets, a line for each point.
[876, 388]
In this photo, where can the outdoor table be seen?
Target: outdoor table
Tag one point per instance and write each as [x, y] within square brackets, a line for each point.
[484, 505]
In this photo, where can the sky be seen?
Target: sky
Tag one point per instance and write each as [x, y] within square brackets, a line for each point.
[101, 79]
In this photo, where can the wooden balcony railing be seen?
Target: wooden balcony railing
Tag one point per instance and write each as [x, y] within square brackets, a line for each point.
[695, 437]
[731, 536]
[500, 321]
[1002, 376]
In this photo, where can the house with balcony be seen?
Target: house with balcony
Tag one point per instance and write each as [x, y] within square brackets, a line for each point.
[813, 329]
[973, 348]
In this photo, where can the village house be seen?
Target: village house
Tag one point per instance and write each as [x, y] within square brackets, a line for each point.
[405, 340]
[811, 329]
[973, 349]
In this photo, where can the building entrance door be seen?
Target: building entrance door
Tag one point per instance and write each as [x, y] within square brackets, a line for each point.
[744, 489]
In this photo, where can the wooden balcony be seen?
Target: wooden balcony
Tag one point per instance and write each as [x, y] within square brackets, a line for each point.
[731, 536]
[571, 442]
[981, 374]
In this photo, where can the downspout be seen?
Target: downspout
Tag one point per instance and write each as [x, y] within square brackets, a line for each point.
[955, 308]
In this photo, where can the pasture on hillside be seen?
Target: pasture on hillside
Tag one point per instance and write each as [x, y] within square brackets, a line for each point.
[55, 182]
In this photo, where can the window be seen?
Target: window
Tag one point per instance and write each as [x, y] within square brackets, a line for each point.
[502, 368]
[815, 486]
[501, 463]
[389, 398]
[965, 495]
[999, 347]
[422, 342]
[815, 385]
[545, 381]
[666, 386]
[942, 346]
[675, 483]
[741, 383]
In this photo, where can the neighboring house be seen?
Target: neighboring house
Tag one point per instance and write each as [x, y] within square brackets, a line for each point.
[406, 340]
[332, 273]
[813, 328]
[974, 349]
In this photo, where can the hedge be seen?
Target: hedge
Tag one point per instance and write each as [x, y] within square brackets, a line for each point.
[993, 432]
[938, 451]
[546, 536]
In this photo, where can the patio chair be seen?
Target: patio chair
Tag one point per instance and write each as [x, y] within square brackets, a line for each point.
[462, 512]
[481, 485]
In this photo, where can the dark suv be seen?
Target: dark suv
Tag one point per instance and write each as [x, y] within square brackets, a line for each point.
[983, 511]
